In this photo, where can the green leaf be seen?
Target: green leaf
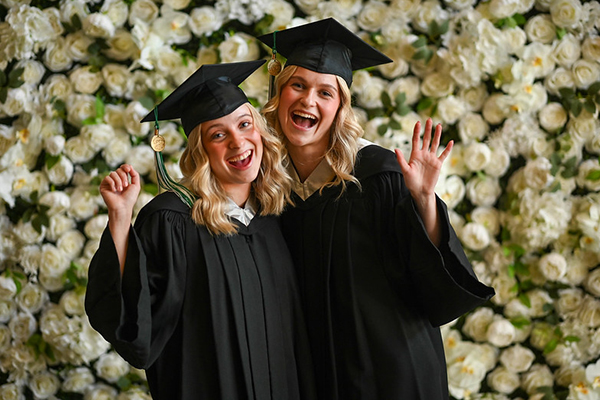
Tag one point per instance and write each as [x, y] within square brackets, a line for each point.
[76, 21]
[18, 284]
[594, 88]
[386, 100]
[2, 78]
[520, 322]
[51, 161]
[99, 108]
[124, 383]
[576, 107]
[3, 94]
[14, 76]
[27, 214]
[89, 121]
[382, 129]
[593, 175]
[523, 298]
[555, 161]
[151, 188]
[589, 105]
[520, 19]
[551, 346]
[395, 125]
[424, 103]
[420, 42]
[147, 102]
[510, 22]
[423, 53]
[566, 93]
[560, 33]
[571, 338]
[403, 109]
[400, 98]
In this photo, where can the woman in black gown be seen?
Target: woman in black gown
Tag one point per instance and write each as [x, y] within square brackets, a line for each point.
[205, 298]
[380, 267]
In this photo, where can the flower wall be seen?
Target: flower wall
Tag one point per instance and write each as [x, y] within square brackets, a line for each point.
[515, 83]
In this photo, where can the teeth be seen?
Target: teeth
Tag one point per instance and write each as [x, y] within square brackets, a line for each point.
[303, 115]
[241, 157]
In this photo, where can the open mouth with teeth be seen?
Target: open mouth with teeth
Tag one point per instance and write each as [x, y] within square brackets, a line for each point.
[304, 120]
[241, 161]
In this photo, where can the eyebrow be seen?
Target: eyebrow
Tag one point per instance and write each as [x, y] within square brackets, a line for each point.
[303, 80]
[220, 125]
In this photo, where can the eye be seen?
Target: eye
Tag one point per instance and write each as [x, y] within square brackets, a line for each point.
[217, 135]
[245, 124]
[327, 93]
[297, 85]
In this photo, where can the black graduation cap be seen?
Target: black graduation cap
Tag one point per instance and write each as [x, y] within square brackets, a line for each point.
[210, 93]
[325, 46]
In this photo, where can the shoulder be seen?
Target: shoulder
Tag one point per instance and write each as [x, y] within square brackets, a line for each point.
[373, 159]
[164, 202]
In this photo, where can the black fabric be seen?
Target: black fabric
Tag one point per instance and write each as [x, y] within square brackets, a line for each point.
[207, 317]
[209, 93]
[374, 287]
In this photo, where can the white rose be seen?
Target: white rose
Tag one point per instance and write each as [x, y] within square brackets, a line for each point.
[472, 127]
[172, 27]
[409, 85]
[517, 358]
[592, 282]
[27, 234]
[72, 303]
[585, 168]
[561, 355]
[143, 10]
[552, 117]
[568, 374]
[44, 384]
[142, 159]
[477, 323]
[8, 309]
[540, 28]
[538, 376]
[33, 71]
[205, 20]
[77, 45]
[121, 46]
[101, 391]
[585, 73]
[537, 173]
[501, 162]
[538, 299]
[474, 96]
[77, 380]
[85, 80]
[370, 96]
[450, 109]
[83, 205]
[59, 224]
[11, 391]
[29, 258]
[117, 80]
[567, 50]
[8, 288]
[460, 4]
[500, 332]
[95, 226]
[477, 156]
[583, 128]
[483, 191]
[239, 47]
[475, 236]
[111, 367]
[61, 172]
[117, 11]
[503, 8]
[113, 116]
[591, 48]
[427, 12]
[553, 266]
[79, 108]
[134, 112]
[98, 25]
[117, 149]
[97, 136]
[452, 191]
[22, 326]
[559, 78]
[79, 150]
[503, 380]
[16, 101]
[515, 39]
[493, 110]
[566, 13]
[589, 312]
[71, 243]
[398, 67]
[489, 217]
[5, 339]
[57, 201]
[373, 16]
[54, 145]
[32, 298]
[57, 86]
[206, 55]
[568, 302]
[437, 85]
[465, 376]
[53, 261]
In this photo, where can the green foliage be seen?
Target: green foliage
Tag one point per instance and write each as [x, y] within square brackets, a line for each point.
[17, 277]
[29, 211]
[40, 347]
[511, 22]
[11, 81]
[577, 101]
[74, 279]
[99, 117]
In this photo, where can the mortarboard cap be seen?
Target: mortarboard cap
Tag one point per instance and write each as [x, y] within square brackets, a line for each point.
[209, 93]
[325, 46]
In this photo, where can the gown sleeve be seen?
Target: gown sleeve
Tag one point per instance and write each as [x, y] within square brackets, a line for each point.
[138, 312]
[443, 278]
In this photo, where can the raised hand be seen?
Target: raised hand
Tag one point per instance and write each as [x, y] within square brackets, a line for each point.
[118, 192]
[422, 170]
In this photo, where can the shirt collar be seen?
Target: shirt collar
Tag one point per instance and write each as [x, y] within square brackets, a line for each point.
[245, 214]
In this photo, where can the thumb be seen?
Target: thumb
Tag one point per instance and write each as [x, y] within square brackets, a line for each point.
[400, 157]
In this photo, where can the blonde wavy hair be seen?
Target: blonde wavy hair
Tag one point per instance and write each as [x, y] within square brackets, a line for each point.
[271, 188]
[344, 134]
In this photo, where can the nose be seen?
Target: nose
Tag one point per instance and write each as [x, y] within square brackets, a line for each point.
[236, 140]
[308, 99]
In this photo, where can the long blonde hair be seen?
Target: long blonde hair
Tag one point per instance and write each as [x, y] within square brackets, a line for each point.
[344, 134]
[271, 188]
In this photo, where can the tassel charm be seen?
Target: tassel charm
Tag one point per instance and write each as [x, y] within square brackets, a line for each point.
[158, 142]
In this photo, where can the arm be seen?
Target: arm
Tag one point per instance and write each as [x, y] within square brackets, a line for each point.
[120, 196]
[421, 174]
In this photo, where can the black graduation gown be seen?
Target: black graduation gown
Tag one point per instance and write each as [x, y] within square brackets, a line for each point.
[207, 317]
[374, 287]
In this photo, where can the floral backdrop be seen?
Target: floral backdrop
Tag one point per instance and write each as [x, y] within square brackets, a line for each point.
[516, 84]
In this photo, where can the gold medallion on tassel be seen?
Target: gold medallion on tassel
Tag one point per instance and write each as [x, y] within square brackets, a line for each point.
[158, 142]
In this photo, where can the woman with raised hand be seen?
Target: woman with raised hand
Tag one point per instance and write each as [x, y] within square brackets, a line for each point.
[202, 293]
[380, 267]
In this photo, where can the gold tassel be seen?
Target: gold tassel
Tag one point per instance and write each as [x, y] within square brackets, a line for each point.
[274, 68]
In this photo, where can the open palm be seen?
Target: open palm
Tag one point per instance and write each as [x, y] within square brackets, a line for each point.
[422, 170]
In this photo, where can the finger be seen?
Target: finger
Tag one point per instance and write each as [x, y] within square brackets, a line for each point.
[416, 135]
[436, 138]
[135, 176]
[123, 177]
[400, 157]
[427, 134]
[446, 151]
[108, 183]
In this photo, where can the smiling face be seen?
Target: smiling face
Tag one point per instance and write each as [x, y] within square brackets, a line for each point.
[308, 104]
[234, 147]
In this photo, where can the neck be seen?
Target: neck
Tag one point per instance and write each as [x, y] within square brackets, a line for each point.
[239, 194]
[305, 159]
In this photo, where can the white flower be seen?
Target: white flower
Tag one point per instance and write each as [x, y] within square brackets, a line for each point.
[537, 376]
[111, 367]
[409, 85]
[72, 303]
[205, 20]
[477, 323]
[553, 266]
[559, 78]
[451, 109]
[483, 191]
[44, 384]
[437, 85]
[566, 13]
[452, 191]
[591, 48]
[121, 46]
[177, 4]
[238, 47]
[370, 94]
[517, 358]
[537, 173]
[8, 309]
[307, 6]
[54, 145]
[22, 326]
[589, 312]
[373, 16]
[101, 391]
[500, 332]
[592, 282]
[427, 12]
[477, 156]
[282, 12]
[569, 302]
[95, 226]
[475, 236]
[465, 375]
[57, 86]
[503, 8]
[552, 117]
[71, 243]
[474, 97]
[77, 44]
[79, 108]
[79, 150]
[172, 27]
[567, 374]
[16, 101]
[540, 28]
[83, 205]
[98, 25]
[488, 217]
[585, 73]
[85, 80]
[97, 136]
[77, 380]
[585, 168]
[118, 148]
[117, 80]
[11, 391]
[141, 158]
[61, 172]
[58, 201]
[503, 380]
[142, 10]
[8, 288]
[27, 234]
[398, 67]
[567, 50]
[460, 4]
[493, 110]
[134, 112]
[32, 298]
